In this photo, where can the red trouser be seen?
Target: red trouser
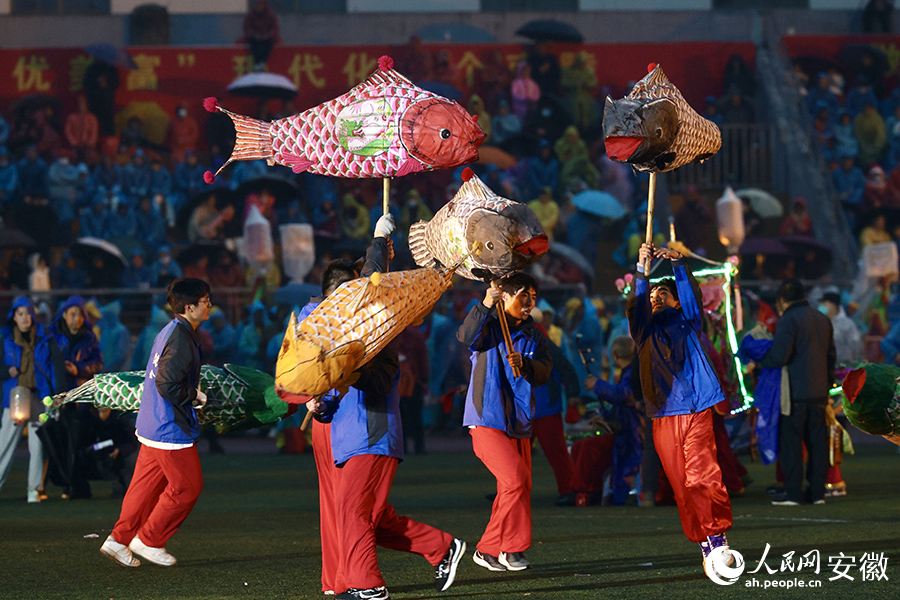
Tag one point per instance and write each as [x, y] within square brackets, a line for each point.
[329, 477]
[687, 450]
[592, 457]
[509, 460]
[162, 492]
[365, 518]
[550, 435]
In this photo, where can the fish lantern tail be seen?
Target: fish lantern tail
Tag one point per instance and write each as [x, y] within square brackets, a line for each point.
[253, 138]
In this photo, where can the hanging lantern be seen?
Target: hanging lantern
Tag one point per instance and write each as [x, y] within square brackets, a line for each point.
[20, 403]
[730, 217]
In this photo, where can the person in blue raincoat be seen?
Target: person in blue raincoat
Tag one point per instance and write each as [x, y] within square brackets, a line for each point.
[158, 320]
[223, 336]
[115, 339]
[9, 177]
[251, 344]
[26, 362]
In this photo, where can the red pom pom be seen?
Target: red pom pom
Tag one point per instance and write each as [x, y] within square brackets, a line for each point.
[208, 177]
[468, 174]
[211, 104]
[650, 67]
[475, 118]
[385, 63]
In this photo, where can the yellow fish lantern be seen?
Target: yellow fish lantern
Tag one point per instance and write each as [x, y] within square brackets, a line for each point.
[351, 326]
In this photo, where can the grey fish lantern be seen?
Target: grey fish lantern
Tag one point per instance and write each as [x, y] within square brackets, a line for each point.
[510, 234]
[655, 129]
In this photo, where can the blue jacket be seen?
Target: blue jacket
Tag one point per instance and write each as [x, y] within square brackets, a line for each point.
[677, 377]
[628, 447]
[366, 420]
[170, 386]
[766, 397]
[12, 355]
[82, 349]
[496, 398]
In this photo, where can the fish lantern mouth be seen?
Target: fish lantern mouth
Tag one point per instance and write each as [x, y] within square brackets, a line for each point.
[291, 398]
[621, 148]
[537, 245]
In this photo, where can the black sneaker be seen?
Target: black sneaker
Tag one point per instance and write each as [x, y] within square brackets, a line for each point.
[376, 593]
[445, 572]
[514, 561]
[565, 500]
[487, 561]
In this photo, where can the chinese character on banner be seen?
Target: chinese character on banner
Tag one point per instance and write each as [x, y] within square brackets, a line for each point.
[841, 564]
[873, 566]
[786, 564]
[242, 65]
[810, 559]
[144, 77]
[358, 67]
[468, 64]
[762, 563]
[307, 64]
[77, 67]
[186, 59]
[29, 74]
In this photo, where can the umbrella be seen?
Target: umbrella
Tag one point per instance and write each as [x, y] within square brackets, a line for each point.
[87, 249]
[223, 196]
[573, 255]
[263, 85]
[492, 155]
[441, 89]
[765, 246]
[154, 120]
[813, 65]
[25, 107]
[765, 204]
[813, 257]
[460, 33]
[111, 55]
[283, 189]
[855, 56]
[548, 30]
[296, 294]
[599, 203]
[211, 250]
[15, 238]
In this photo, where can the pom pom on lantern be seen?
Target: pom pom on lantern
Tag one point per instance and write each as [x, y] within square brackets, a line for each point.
[209, 177]
[211, 104]
[385, 63]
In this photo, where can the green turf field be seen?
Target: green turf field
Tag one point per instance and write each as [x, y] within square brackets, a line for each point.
[254, 534]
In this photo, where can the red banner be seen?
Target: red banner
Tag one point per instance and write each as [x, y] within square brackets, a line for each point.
[168, 75]
[820, 52]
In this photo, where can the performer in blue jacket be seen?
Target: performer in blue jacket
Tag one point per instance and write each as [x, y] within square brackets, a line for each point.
[167, 477]
[680, 388]
[500, 408]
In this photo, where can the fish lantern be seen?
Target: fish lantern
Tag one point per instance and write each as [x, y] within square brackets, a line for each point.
[20, 403]
[298, 250]
[384, 127]
[872, 400]
[654, 128]
[510, 234]
[258, 240]
[730, 217]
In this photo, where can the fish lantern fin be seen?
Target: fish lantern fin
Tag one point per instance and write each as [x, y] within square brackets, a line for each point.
[418, 246]
[298, 164]
[411, 165]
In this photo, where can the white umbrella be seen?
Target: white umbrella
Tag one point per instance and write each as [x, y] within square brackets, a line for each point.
[263, 85]
[765, 204]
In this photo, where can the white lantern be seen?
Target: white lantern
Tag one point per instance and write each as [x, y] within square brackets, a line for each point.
[20, 403]
[258, 240]
[730, 218]
[298, 250]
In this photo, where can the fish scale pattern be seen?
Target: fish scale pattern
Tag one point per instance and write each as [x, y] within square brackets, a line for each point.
[696, 136]
[310, 134]
[381, 311]
[226, 404]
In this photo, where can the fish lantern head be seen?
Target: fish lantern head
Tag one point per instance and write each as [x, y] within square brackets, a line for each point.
[511, 240]
[304, 367]
[440, 134]
[638, 131]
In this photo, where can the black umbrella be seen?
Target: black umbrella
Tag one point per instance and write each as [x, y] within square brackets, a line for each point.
[864, 58]
[111, 55]
[25, 107]
[211, 250]
[284, 190]
[15, 238]
[548, 30]
[224, 197]
[87, 249]
[263, 85]
[765, 246]
[441, 89]
[813, 65]
[813, 257]
[571, 254]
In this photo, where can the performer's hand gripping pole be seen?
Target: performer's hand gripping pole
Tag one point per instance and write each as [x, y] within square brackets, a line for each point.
[507, 339]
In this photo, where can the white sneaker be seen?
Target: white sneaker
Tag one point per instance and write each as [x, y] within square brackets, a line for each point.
[119, 553]
[158, 556]
[33, 497]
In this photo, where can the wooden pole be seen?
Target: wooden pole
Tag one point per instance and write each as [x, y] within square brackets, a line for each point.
[651, 203]
[386, 194]
[507, 339]
[306, 420]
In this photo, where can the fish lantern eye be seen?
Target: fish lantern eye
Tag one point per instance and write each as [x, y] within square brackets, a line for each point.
[490, 245]
[659, 132]
[445, 133]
